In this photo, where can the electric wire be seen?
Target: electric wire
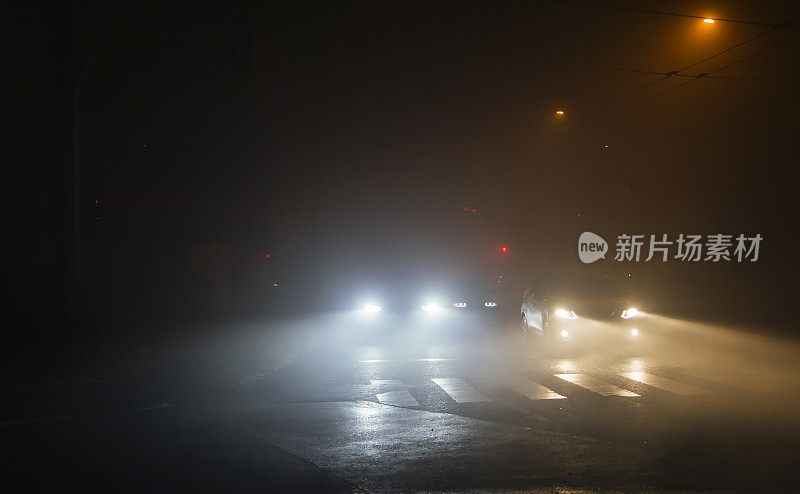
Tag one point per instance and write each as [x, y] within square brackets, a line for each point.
[676, 73]
[667, 13]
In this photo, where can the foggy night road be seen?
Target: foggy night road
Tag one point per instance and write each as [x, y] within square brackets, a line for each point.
[444, 411]
[537, 246]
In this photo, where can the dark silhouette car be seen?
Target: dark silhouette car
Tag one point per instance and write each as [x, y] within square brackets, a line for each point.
[570, 309]
[461, 296]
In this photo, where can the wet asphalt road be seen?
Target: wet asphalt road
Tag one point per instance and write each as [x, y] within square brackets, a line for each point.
[474, 414]
[441, 412]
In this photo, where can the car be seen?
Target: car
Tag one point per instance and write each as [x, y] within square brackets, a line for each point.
[566, 309]
[466, 296]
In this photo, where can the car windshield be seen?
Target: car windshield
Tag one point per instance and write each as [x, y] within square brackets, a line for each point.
[591, 287]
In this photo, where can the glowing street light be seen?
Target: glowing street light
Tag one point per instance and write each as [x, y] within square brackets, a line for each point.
[708, 20]
[559, 112]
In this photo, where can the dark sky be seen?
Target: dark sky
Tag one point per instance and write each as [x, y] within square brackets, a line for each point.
[361, 129]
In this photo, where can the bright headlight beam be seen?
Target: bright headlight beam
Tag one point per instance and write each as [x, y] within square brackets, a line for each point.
[628, 313]
[566, 314]
[564, 333]
[490, 304]
[430, 307]
[634, 332]
[459, 305]
[371, 309]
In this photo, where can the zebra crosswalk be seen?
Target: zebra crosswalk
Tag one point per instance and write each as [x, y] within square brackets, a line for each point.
[629, 385]
[550, 388]
[533, 390]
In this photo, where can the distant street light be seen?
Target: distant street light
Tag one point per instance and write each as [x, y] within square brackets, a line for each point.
[559, 112]
[708, 20]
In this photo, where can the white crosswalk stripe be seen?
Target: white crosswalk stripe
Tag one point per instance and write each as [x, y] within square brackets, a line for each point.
[533, 390]
[595, 385]
[659, 382]
[399, 398]
[459, 390]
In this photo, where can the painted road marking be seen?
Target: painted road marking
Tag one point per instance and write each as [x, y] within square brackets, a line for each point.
[386, 382]
[400, 398]
[595, 385]
[534, 390]
[659, 382]
[459, 390]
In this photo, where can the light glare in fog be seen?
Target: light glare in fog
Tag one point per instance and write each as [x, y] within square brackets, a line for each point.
[566, 314]
[371, 309]
[628, 313]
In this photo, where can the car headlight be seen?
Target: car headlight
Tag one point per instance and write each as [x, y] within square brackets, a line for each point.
[431, 307]
[490, 305]
[371, 309]
[629, 313]
[566, 314]
[460, 305]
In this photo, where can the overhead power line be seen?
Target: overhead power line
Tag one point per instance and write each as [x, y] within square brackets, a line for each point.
[748, 57]
[672, 14]
[732, 77]
[635, 71]
[676, 73]
[595, 66]
[709, 74]
[726, 50]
